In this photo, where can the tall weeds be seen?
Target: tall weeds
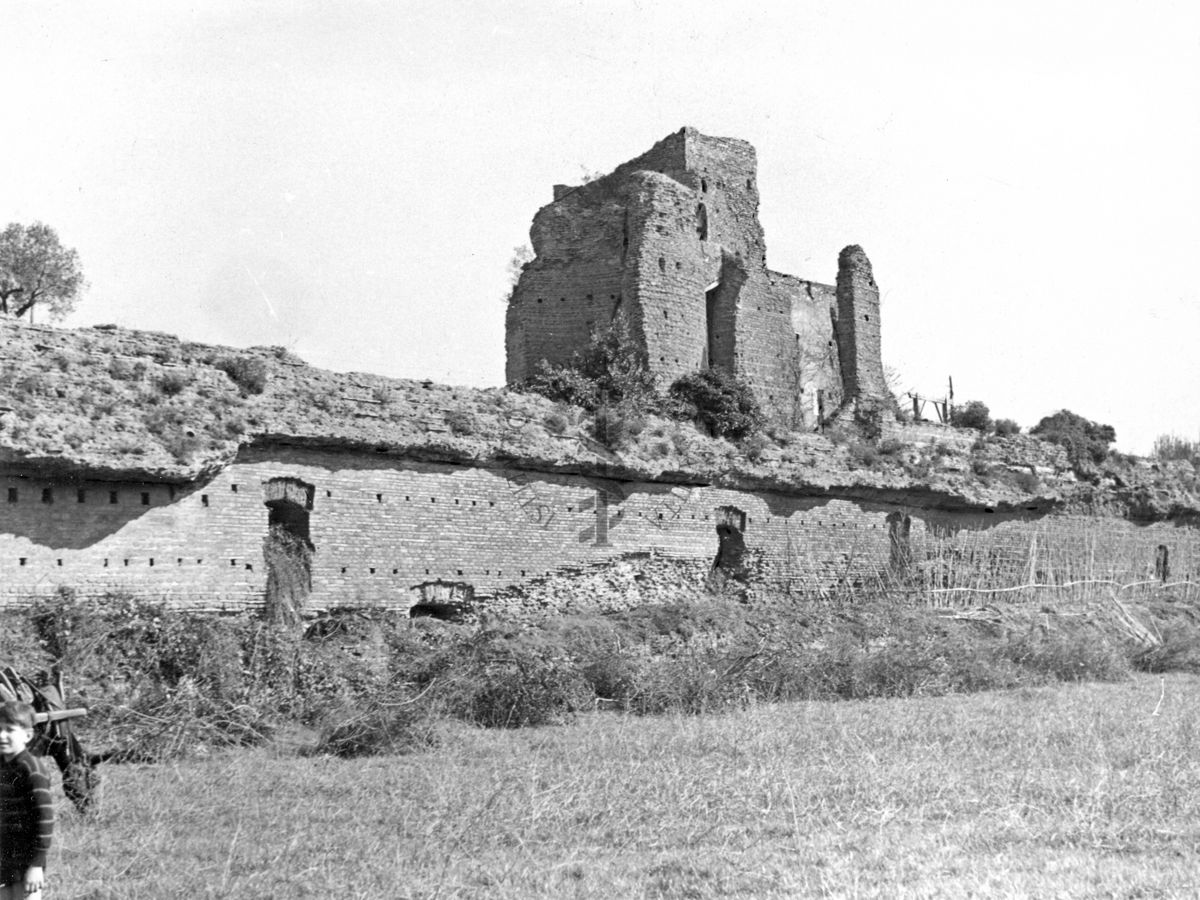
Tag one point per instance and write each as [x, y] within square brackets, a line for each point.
[165, 684]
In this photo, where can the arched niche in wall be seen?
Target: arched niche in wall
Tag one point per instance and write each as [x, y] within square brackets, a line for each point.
[288, 547]
[447, 601]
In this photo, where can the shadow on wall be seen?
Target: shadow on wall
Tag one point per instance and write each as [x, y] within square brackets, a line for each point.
[74, 516]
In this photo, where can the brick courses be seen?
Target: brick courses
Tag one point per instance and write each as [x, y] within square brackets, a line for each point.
[672, 241]
[383, 527]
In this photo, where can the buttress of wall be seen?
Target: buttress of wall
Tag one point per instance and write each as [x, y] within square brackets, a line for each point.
[858, 326]
[573, 285]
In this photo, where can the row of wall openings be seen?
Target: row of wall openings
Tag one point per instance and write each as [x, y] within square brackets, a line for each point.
[81, 496]
[373, 570]
[179, 561]
[590, 297]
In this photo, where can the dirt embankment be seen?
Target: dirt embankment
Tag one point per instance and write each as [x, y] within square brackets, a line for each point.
[113, 403]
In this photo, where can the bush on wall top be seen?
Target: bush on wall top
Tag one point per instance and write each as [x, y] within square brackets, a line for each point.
[722, 403]
[607, 371]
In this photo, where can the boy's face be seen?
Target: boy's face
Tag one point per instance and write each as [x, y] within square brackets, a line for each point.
[13, 739]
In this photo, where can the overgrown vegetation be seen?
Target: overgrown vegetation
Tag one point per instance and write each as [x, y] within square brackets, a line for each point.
[608, 373]
[610, 380]
[164, 684]
[1085, 441]
[1170, 447]
[972, 414]
[720, 402]
[248, 373]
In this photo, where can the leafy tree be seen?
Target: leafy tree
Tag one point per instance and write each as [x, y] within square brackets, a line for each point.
[36, 269]
[722, 402]
[1085, 440]
[972, 414]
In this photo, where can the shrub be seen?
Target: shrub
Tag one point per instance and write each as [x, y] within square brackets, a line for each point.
[388, 725]
[608, 370]
[460, 421]
[564, 384]
[755, 446]
[724, 404]
[556, 422]
[618, 426]
[511, 687]
[1169, 447]
[972, 414]
[247, 372]
[1006, 427]
[173, 383]
[864, 454]
[1068, 657]
[1026, 481]
[1086, 442]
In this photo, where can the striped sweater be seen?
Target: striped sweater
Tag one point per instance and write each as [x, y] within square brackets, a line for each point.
[26, 812]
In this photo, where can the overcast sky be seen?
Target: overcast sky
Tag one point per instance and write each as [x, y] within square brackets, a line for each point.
[350, 179]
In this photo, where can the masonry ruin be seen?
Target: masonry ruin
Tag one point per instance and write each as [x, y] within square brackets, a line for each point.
[320, 489]
[671, 241]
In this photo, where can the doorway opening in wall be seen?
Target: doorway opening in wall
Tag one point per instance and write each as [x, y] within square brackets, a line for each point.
[710, 325]
[731, 543]
[288, 548]
[899, 549]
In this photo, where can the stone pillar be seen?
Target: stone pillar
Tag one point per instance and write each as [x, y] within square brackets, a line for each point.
[865, 396]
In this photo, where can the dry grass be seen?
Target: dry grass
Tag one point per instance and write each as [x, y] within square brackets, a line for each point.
[1072, 791]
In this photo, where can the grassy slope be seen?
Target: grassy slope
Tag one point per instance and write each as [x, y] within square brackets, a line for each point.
[1073, 791]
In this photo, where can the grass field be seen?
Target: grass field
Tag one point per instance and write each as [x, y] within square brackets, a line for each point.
[1088, 790]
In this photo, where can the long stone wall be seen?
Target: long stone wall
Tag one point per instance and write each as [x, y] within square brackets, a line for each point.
[382, 527]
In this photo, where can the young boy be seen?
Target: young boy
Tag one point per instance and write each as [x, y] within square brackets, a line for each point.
[26, 810]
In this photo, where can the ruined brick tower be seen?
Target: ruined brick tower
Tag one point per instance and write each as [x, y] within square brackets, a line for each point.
[671, 242]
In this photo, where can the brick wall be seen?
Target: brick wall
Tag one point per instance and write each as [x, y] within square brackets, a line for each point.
[382, 527]
[653, 238]
[858, 326]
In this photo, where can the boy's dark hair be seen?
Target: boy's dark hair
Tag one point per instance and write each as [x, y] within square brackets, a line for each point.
[14, 712]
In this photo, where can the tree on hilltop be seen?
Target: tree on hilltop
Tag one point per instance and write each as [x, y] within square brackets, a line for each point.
[37, 270]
